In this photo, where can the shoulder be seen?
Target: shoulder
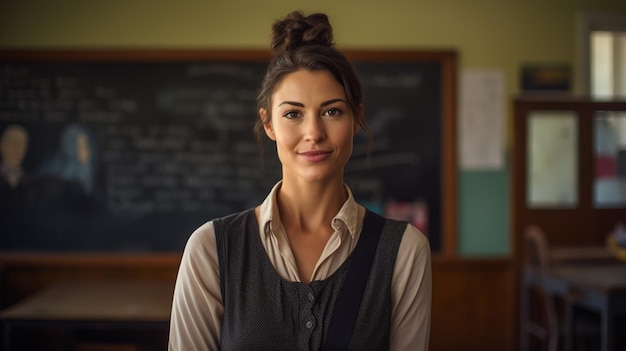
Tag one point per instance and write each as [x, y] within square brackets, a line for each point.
[206, 232]
[201, 241]
[205, 240]
[234, 229]
[414, 247]
[232, 218]
[412, 237]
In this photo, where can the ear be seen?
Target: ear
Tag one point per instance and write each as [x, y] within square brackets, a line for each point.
[357, 126]
[269, 130]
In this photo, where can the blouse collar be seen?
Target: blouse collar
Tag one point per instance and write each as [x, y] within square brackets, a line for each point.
[347, 217]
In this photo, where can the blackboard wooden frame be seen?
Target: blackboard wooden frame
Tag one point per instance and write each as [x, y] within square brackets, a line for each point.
[446, 60]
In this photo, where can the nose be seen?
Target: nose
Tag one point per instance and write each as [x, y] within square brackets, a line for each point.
[314, 129]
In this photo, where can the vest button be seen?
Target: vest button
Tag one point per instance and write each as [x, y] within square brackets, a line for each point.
[309, 325]
[311, 297]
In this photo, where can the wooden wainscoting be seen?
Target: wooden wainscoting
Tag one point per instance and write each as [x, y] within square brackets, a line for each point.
[474, 300]
[474, 305]
[24, 274]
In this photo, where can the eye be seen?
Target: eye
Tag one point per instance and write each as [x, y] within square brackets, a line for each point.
[333, 112]
[291, 114]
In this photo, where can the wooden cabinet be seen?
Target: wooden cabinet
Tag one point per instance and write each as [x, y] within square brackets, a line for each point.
[569, 169]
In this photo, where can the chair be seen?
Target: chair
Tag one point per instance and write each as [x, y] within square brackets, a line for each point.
[537, 260]
[549, 328]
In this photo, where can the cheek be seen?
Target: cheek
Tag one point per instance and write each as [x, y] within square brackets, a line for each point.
[345, 135]
[285, 146]
[285, 134]
[286, 139]
[347, 142]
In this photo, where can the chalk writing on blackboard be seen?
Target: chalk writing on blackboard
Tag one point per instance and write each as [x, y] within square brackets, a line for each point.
[170, 146]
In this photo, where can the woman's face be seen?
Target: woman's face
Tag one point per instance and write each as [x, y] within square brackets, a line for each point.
[83, 152]
[312, 125]
[13, 147]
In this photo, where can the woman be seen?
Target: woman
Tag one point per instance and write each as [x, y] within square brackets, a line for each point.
[74, 162]
[288, 274]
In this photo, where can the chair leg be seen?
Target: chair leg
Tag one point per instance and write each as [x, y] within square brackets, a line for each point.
[552, 327]
[569, 321]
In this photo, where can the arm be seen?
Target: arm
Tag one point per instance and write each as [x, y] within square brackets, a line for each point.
[411, 293]
[197, 306]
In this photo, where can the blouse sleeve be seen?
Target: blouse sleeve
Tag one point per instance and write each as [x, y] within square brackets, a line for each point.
[197, 305]
[411, 293]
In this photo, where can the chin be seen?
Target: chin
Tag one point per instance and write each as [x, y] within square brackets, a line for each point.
[315, 178]
[320, 176]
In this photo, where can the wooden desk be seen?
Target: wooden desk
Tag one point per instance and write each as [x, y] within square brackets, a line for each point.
[586, 254]
[597, 287]
[93, 304]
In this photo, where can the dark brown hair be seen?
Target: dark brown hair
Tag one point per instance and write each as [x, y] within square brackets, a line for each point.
[307, 42]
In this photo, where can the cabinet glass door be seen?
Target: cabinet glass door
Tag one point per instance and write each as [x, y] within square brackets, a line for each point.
[609, 139]
[552, 164]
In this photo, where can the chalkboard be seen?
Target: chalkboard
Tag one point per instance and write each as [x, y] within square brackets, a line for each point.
[131, 151]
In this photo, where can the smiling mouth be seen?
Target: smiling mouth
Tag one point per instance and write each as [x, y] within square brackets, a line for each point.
[315, 156]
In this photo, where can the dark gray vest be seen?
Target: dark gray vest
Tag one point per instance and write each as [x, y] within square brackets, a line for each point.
[263, 311]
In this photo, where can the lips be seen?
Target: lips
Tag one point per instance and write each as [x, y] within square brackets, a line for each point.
[315, 156]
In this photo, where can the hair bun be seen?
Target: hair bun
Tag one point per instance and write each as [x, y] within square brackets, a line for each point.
[296, 30]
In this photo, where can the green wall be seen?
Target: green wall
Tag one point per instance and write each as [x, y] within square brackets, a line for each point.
[499, 34]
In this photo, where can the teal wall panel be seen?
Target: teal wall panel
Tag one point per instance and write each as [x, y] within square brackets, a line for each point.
[483, 225]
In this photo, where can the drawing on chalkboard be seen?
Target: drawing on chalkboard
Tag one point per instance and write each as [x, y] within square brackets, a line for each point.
[75, 160]
[13, 147]
[15, 185]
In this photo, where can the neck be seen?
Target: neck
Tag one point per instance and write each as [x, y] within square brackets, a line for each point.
[309, 205]
[12, 174]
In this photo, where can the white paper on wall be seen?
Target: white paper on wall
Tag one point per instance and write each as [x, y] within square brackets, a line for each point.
[481, 119]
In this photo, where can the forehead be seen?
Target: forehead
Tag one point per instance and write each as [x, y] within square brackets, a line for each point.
[303, 85]
[14, 134]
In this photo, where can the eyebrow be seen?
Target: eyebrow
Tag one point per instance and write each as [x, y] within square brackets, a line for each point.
[325, 103]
